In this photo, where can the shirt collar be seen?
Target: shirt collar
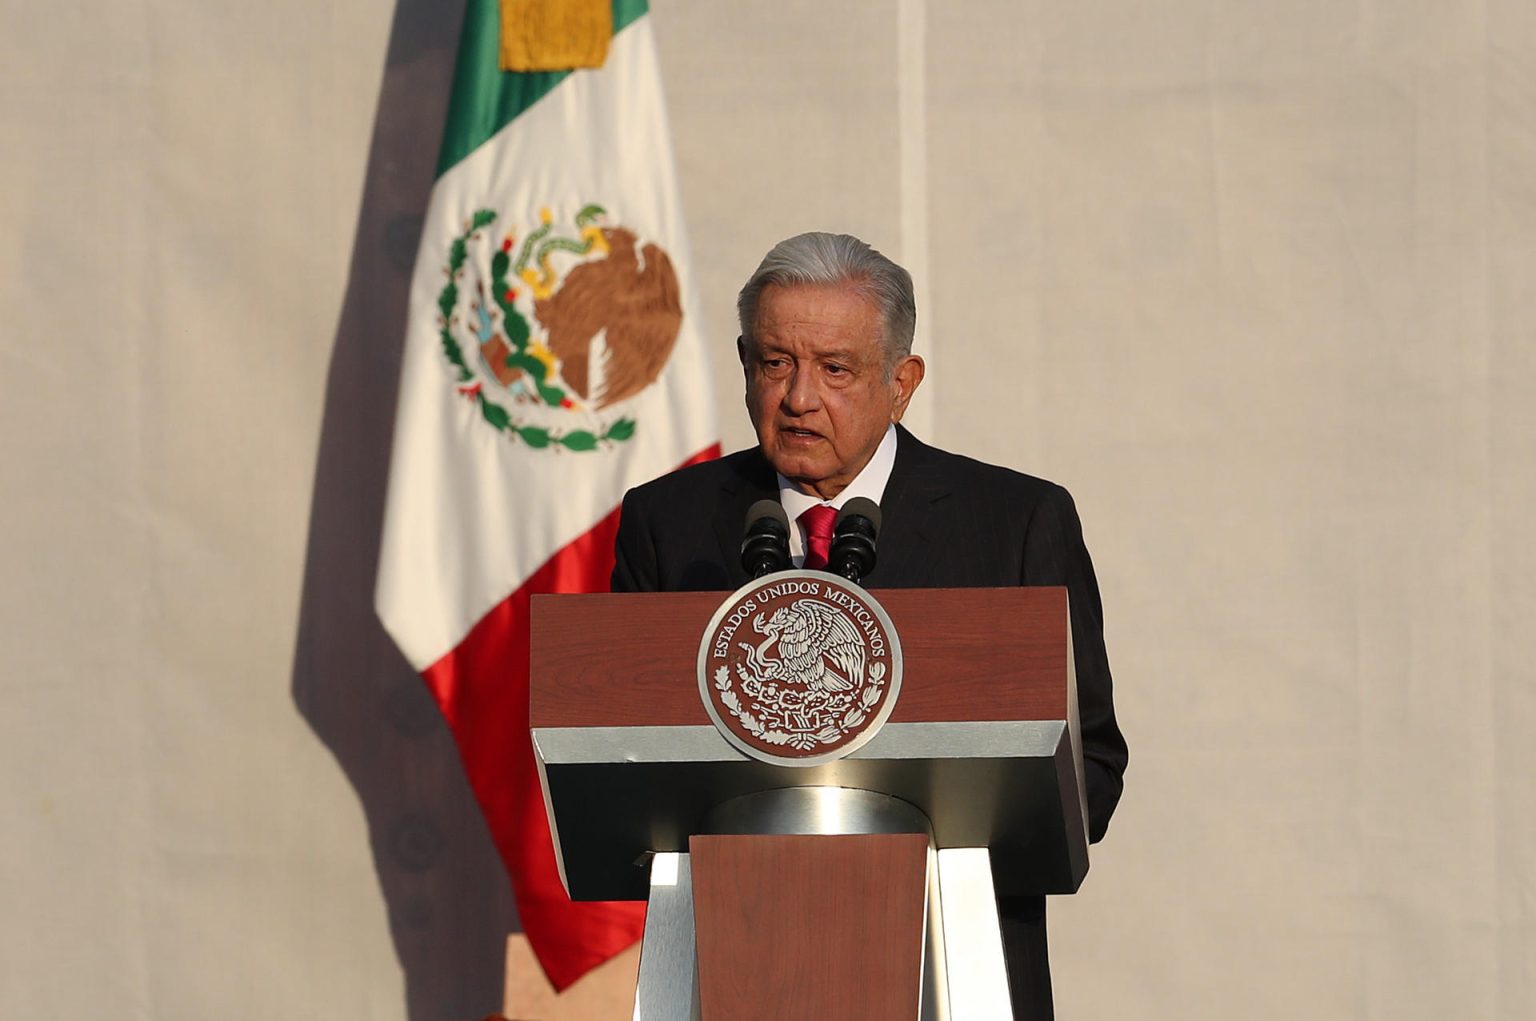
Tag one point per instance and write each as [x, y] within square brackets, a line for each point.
[870, 482]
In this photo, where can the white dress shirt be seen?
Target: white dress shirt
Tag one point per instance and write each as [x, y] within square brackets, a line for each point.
[869, 482]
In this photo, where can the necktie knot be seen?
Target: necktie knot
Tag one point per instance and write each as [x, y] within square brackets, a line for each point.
[817, 522]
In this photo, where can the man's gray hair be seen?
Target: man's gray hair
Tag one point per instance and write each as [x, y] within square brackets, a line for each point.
[818, 258]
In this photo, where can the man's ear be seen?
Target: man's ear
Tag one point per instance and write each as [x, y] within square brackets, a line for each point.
[741, 353]
[906, 379]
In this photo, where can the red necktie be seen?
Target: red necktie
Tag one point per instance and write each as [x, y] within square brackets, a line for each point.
[817, 522]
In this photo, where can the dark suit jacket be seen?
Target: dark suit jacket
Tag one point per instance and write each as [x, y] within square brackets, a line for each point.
[948, 522]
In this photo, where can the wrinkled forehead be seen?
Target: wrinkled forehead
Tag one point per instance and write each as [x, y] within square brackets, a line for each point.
[832, 318]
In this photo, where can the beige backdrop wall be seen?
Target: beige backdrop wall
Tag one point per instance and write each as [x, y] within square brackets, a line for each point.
[1253, 279]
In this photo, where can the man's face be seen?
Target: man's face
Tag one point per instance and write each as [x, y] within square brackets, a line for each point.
[817, 387]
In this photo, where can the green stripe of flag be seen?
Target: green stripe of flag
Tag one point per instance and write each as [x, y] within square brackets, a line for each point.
[485, 98]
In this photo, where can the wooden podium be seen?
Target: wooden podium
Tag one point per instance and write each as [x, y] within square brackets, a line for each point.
[860, 887]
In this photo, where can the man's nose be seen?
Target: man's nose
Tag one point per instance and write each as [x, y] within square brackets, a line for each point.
[801, 396]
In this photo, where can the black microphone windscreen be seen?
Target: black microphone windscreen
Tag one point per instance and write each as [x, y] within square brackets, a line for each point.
[763, 511]
[859, 506]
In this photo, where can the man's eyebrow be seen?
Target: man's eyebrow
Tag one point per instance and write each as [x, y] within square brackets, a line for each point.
[849, 354]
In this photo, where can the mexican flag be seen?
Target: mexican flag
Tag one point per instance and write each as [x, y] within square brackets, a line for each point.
[552, 360]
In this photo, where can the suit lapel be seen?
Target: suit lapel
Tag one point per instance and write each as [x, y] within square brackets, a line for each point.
[753, 481]
[910, 517]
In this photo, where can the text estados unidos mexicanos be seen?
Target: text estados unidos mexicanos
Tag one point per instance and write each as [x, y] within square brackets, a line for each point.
[799, 587]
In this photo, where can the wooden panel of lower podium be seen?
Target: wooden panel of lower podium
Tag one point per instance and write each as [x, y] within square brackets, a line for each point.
[809, 926]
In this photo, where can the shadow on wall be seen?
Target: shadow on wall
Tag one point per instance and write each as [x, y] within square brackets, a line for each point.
[450, 903]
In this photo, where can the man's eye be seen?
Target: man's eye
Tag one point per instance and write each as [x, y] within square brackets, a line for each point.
[837, 370]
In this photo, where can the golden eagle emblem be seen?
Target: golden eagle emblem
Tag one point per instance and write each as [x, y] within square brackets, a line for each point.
[614, 320]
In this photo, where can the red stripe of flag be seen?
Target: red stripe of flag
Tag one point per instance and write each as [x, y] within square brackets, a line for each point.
[482, 688]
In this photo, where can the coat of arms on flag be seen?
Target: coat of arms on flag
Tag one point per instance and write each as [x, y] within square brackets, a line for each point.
[561, 326]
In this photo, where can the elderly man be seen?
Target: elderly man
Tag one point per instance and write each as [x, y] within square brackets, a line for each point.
[826, 340]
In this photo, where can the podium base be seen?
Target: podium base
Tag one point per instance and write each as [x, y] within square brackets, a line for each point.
[945, 906]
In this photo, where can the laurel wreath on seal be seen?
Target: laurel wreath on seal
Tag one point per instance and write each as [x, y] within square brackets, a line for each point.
[497, 416]
[829, 734]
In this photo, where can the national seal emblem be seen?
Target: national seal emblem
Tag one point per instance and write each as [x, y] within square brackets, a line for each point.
[799, 668]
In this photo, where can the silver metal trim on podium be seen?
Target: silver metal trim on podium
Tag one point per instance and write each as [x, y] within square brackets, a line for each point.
[616, 793]
[668, 984]
[974, 968]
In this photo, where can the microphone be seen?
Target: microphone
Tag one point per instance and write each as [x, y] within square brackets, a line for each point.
[765, 548]
[853, 539]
